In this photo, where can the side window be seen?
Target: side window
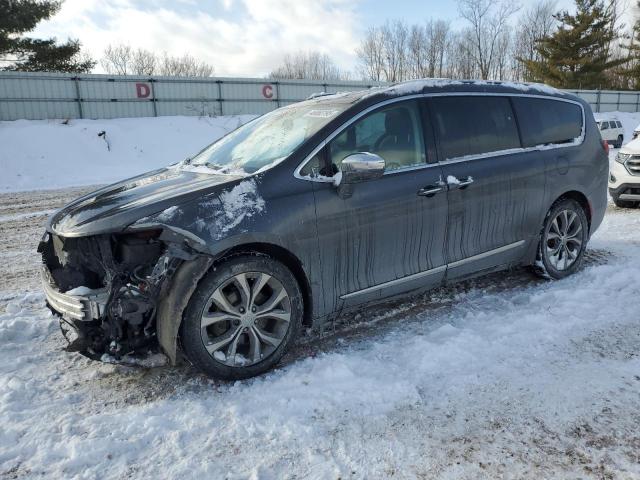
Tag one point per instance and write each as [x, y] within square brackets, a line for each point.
[547, 121]
[393, 132]
[605, 126]
[312, 167]
[470, 125]
[619, 124]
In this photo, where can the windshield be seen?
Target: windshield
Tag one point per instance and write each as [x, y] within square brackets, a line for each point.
[266, 140]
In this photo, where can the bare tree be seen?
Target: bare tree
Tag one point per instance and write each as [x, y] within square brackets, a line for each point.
[462, 62]
[309, 66]
[184, 66]
[534, 24]
[144, 62]
[124, 60]
[371, 55]
[117, 59]
[437, 34]
[418, 52]
[488, 21]
[395, 36]
[396, 51]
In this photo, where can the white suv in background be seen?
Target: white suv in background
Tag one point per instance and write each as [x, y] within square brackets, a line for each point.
[624, 176]
[611, 131]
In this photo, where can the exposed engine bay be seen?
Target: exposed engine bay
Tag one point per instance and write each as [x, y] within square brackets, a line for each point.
[106, 288]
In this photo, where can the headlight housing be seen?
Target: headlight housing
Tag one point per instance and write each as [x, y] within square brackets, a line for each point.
[622, 157]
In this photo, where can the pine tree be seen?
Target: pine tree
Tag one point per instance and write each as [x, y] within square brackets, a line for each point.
[18, 17]
[576, 55]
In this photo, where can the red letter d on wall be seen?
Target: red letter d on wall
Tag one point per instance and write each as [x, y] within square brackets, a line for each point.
[142, 90]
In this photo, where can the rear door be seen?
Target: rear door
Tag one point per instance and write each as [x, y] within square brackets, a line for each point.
[495, 190]
[387, 237]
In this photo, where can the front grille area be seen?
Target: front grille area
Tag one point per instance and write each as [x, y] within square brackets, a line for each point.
[633, 165]
[73, 307]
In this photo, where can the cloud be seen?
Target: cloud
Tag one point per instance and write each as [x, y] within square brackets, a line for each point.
[239, 37]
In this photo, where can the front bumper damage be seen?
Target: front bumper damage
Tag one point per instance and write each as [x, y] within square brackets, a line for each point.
[84, 308]
[106, 289]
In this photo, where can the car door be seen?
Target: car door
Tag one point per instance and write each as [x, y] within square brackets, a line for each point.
[387, 235]
[495, 189]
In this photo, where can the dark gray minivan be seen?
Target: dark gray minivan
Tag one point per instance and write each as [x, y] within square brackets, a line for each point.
[321, 207]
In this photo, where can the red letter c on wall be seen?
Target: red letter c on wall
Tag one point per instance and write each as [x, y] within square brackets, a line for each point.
[267, 91]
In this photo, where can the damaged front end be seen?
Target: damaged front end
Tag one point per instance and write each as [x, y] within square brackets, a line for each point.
[106, 288]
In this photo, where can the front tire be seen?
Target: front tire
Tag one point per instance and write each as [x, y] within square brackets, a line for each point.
[562, 241]
[242, 318]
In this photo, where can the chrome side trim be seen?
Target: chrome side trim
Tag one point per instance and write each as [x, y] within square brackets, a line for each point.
[397, 281]
[486, 254]
[578, 141]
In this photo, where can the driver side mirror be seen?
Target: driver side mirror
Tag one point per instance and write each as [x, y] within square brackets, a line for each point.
[360, 167]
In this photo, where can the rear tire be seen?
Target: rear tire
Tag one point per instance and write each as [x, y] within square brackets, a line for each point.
[563, 240]
[242, 317]
[619, 141]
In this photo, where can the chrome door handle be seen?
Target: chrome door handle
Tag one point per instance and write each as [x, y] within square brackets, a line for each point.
[458, 183]
[430, 191]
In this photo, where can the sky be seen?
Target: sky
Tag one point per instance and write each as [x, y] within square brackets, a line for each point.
[240, 37]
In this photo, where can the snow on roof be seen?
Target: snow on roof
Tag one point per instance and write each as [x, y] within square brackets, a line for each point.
[417, 86]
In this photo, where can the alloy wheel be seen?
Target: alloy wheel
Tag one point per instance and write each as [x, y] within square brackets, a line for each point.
[564, 239]
[246, 319]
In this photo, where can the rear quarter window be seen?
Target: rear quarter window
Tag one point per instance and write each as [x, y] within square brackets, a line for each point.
[544, 122]
[471, 125]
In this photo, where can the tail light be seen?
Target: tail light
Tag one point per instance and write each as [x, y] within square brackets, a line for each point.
[605, 146]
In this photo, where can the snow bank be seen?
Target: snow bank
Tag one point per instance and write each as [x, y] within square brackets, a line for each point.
[46, 154]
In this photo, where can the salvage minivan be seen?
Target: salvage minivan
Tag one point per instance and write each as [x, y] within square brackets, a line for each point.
[319, 208]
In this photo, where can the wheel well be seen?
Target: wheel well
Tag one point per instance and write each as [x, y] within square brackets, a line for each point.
[581, 199]
[290, 261]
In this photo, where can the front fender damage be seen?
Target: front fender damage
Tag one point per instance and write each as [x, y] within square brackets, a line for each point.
[147, 271]
[120, 296]
[174, 300]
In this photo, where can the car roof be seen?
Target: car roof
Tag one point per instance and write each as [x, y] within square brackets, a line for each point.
[439, 85]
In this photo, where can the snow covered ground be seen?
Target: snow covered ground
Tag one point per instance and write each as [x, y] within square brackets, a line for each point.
[55, 153]
[507, 376]
[502, 377]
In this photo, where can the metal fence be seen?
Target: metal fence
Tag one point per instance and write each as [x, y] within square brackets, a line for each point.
[610, 100]
[58, 95]
[51, 95]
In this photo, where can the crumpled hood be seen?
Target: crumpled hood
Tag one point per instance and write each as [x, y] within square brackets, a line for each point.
[116, 206]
